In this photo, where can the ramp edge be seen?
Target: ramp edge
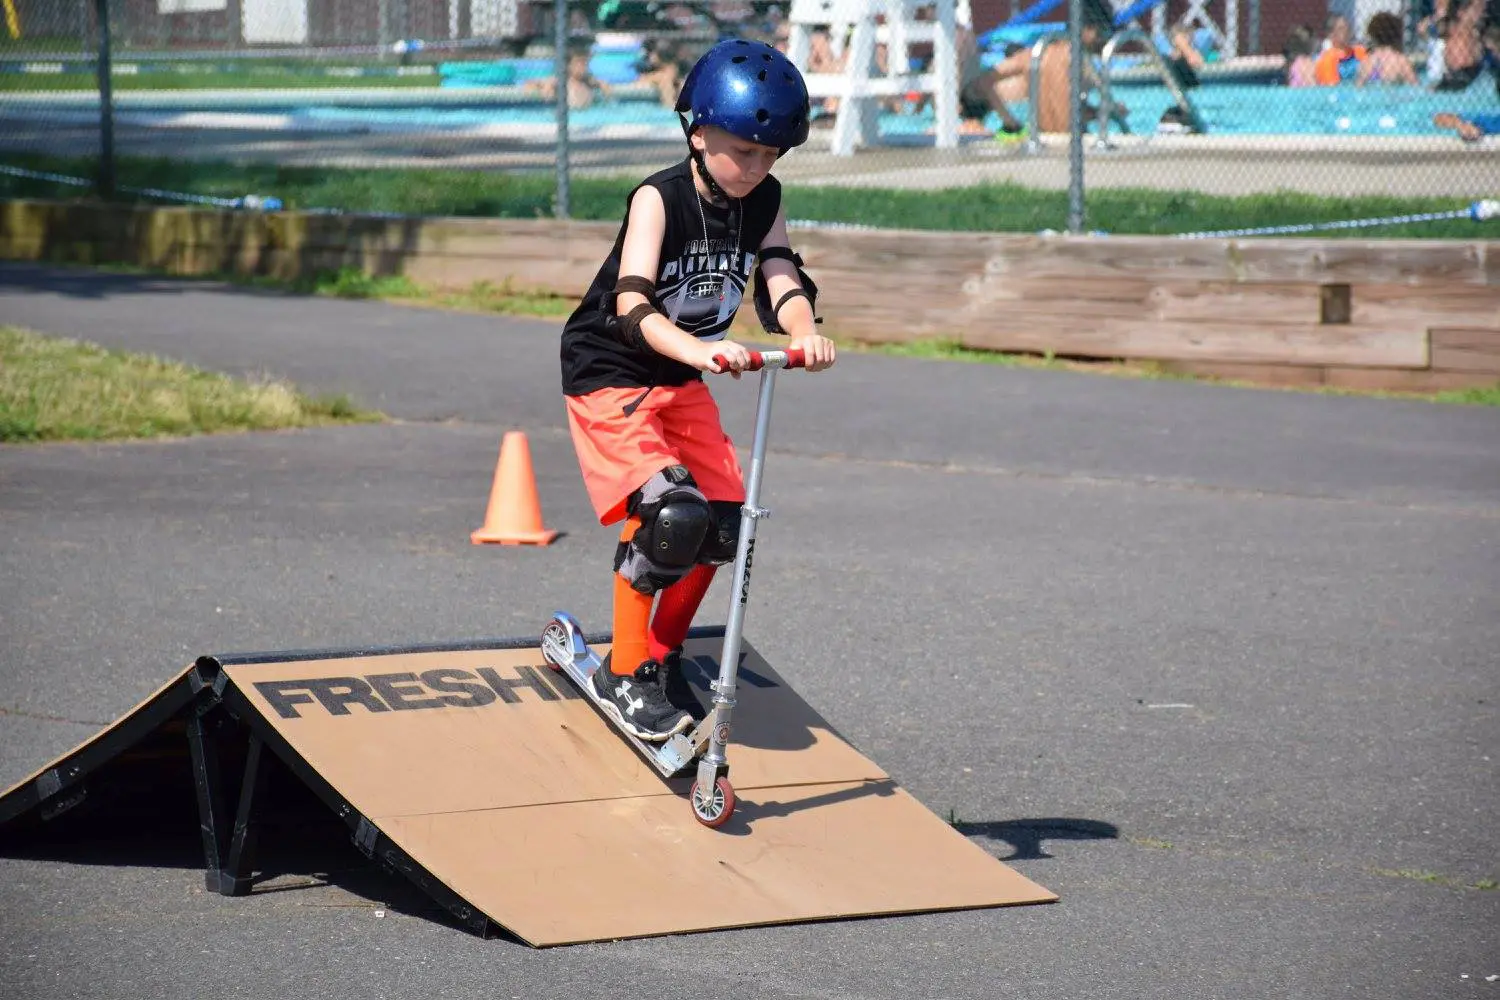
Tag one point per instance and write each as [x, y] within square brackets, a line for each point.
[69, 771]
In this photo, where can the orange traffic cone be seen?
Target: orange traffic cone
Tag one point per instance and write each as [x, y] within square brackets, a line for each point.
[514, 516]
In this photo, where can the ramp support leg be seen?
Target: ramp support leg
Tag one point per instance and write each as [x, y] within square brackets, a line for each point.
[227, 852]
[236, 875]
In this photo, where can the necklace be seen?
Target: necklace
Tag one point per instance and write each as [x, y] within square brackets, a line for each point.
[734, 256]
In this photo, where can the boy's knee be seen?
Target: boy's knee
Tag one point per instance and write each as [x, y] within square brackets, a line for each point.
[675, 521]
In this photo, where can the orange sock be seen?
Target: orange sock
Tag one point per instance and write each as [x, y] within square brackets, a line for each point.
[632, 615]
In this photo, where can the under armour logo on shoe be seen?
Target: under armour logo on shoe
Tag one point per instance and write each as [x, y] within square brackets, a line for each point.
[631, 704]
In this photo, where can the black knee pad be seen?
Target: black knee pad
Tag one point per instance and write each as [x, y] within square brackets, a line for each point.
[722, 542]
[675, 520]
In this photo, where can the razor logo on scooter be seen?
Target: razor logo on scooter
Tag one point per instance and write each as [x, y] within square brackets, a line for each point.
[749, 561]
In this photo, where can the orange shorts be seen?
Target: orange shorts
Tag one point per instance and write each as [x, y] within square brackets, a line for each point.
[619, 448]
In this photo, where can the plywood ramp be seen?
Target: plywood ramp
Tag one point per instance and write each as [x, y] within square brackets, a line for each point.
[490, 772]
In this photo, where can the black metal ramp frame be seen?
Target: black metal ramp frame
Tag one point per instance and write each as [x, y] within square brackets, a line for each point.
[220, 723]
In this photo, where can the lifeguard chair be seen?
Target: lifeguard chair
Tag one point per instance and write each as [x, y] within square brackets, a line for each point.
[858, 88]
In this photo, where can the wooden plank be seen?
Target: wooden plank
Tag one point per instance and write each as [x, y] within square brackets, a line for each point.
[1466, 349]
[1145, 298]
[1362, 261]
[591, 870]
[1290, 376]
[546, 277]
[1317, 261]
[1451, 304]
[1416, 380]
[1288, 343]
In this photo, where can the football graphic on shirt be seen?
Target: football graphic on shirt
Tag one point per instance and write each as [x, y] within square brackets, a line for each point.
[689, 289]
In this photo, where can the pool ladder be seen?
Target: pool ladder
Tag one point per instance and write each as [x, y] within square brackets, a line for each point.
[1106, 112]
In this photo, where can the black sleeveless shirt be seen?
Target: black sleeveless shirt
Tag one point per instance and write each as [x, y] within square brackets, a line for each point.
[699, 285]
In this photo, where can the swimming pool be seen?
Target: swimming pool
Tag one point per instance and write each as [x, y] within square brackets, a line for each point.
[1228, 109]
[1240, 109]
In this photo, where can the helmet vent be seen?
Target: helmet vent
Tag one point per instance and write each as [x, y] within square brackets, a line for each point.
[738, 59]
[762, 116]
[761, 76]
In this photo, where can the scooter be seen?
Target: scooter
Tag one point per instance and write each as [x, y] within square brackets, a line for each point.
[565, 648]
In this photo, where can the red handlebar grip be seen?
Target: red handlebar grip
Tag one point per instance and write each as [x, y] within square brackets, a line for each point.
[794, 359]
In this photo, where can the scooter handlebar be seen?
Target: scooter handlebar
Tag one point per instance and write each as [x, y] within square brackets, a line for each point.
[769, 359]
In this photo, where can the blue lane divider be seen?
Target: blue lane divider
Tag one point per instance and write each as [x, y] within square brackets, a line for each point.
[254, 202]
[1479, 211]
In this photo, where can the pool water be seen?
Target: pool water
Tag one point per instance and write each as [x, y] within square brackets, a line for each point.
[1247, 109]
[1228, 109]
[1238, 109]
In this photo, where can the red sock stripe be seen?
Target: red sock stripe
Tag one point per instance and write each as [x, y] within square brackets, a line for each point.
[675, 609]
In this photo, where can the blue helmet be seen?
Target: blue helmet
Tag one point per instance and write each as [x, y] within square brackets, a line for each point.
[748, 89]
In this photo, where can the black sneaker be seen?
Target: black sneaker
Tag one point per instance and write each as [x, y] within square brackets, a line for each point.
[680, 693]
[638, 701]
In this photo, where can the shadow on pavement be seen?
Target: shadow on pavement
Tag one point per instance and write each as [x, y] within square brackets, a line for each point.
[1027, 835]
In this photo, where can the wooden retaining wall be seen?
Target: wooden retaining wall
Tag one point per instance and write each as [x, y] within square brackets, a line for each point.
[1395, 314]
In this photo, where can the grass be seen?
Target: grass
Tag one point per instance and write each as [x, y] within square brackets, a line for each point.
[1478, 396]
[1154, 843]
[980, 208]
[1436, 878]
[53, 389]
[481, 296]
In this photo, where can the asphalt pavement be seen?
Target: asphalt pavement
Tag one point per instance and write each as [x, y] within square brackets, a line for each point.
[1216, 665]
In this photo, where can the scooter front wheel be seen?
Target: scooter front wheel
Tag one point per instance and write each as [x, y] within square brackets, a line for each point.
[714, 805]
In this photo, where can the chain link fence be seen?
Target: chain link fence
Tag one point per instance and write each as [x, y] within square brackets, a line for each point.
[930, 114]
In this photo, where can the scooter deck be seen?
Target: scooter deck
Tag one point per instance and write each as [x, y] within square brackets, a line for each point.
[564, 647]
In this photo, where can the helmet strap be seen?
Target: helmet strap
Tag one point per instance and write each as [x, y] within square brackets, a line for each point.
[697, 157]
[713, 186]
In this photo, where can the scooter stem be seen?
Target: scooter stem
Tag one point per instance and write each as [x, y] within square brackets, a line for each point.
[713, 763]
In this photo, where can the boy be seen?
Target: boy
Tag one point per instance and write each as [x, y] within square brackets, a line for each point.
[645, 427]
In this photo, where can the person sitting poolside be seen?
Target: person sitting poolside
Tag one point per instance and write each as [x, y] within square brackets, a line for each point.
[1184, 59]
[821, 59]
[1183, 62]
[1431, 30]
[1298, 52]
[981, 90]
[582, 83]
[1387, 63]
[1464, 55]
[662, 67]
[1470, 127]
[1342, 58]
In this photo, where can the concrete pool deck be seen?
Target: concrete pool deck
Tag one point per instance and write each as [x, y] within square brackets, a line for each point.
[1401, 166]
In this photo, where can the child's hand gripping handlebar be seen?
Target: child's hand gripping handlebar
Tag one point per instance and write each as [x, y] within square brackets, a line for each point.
[767, 359]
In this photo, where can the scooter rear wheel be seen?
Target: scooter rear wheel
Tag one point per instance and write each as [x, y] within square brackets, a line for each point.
[554, 636]
[713, 806]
